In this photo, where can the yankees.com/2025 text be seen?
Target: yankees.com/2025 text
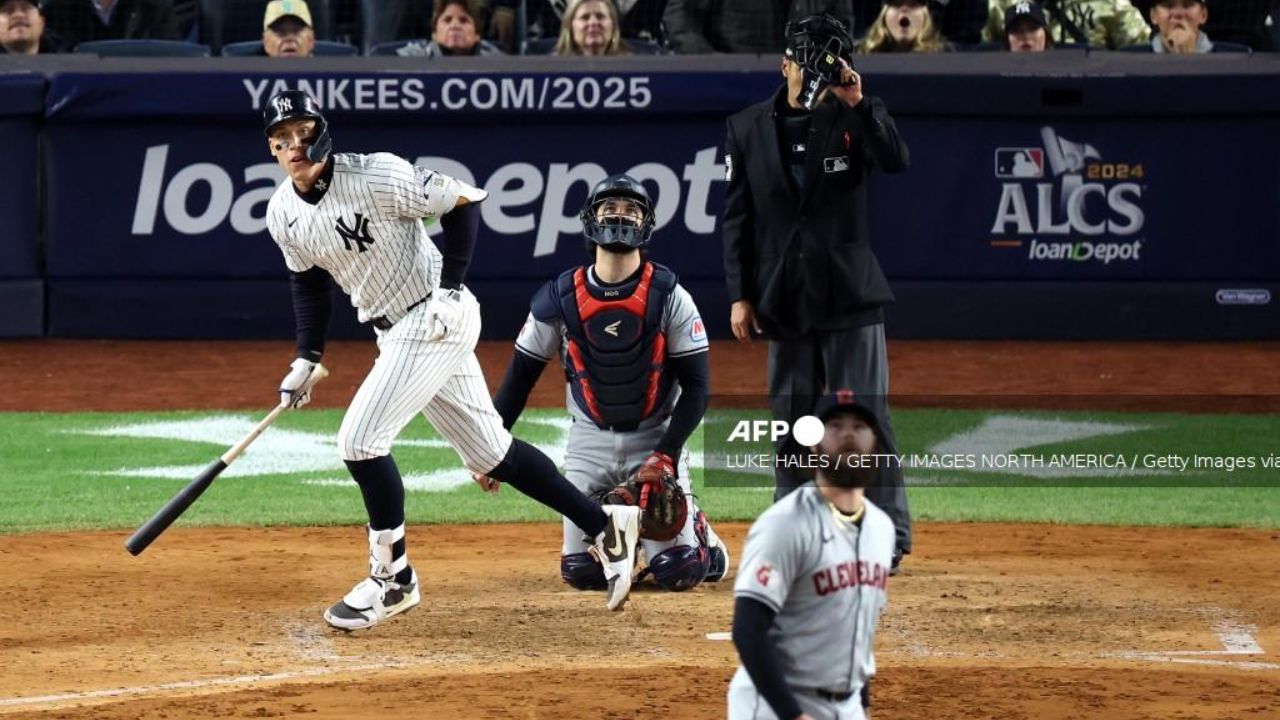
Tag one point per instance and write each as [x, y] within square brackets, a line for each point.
[546, 93]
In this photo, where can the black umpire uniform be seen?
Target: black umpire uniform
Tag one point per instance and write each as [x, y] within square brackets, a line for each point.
[796, 247]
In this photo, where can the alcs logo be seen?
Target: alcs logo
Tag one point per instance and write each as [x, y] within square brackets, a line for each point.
[1061, 205]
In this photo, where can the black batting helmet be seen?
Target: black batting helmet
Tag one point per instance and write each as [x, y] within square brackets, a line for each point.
[614, 229]
[294, 105]
[817, 42]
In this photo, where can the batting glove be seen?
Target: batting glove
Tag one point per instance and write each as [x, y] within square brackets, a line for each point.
[444, 313]
[292, 389]
[651, 473]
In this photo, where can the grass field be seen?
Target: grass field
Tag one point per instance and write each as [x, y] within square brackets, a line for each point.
[98, 470]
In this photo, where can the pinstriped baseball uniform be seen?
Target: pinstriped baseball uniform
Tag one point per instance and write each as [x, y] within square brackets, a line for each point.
[596, 459]
[825, 577]
[367, 232]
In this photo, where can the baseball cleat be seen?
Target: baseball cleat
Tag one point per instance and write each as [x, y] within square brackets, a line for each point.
[615, 548]
[715, 546]
[371, 601]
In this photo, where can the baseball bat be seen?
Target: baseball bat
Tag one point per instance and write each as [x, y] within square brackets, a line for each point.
[178, 504]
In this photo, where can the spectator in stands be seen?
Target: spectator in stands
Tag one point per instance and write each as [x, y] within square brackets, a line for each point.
[1178, 23]
[591, 28]
[456, 30]
[742, 26]
[1025, 29]
[287, 29]
[959, 21]
[638, 20]
[22, 28]
[1099, 23]
[1232, 21]
[903, 26]
[71, 22]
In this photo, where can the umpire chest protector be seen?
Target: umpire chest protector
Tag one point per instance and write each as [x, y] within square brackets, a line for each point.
[615, 349]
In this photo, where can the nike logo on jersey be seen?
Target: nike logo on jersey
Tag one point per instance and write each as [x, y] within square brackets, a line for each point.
[612, 328]
[293, 222]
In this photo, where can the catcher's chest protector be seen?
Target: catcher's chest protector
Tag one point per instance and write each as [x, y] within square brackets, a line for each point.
[616, 349]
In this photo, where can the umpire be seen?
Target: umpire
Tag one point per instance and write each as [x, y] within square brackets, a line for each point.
[797, 255]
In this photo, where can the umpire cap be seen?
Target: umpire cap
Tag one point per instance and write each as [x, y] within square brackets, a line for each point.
[295, 105]
[815, 42]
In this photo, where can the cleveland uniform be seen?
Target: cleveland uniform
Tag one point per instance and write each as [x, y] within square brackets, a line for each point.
[599, 458]
[825, 579]
[366, 231]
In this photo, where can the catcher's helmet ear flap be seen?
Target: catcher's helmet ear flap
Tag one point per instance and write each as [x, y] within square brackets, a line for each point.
[294, 105]
[617, 228]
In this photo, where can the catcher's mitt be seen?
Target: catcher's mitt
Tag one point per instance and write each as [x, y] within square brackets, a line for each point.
[662, 502]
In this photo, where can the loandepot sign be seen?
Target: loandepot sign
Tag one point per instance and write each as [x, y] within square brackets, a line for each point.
[281, 451]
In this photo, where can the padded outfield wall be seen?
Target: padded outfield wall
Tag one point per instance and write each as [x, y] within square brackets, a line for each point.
[1072, 196]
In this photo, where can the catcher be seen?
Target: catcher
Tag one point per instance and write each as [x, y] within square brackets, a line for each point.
[634, 352]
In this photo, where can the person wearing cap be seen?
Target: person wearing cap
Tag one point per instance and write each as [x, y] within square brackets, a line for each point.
[1096, 23]
[811, 585]
[22, 28]
[1178, 24]
[798, 260]
[287, 30]
[71, 22]
[1026, 30]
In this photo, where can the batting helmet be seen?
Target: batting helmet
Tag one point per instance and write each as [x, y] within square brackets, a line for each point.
[295, 105]
[616, 229]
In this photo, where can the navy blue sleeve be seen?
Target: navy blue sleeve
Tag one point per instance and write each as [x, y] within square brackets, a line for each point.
[751, 622]
[460, 226]
[522, 375]
[693, 373]
[312, 307]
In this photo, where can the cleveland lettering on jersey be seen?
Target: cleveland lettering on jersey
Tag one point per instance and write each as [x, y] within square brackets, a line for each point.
[850, 575]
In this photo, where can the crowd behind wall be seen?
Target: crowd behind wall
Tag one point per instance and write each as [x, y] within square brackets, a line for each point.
[606, 27]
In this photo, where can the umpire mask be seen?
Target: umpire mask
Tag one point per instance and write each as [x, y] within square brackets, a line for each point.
[816, 44]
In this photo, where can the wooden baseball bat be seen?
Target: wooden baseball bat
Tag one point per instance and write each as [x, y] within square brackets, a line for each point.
[179, 503]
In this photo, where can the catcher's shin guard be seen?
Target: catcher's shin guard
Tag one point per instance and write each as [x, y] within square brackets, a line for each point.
[680, 568]
[580, 571]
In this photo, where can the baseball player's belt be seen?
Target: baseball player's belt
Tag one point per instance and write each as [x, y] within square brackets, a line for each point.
[827, 694]
[382, 323]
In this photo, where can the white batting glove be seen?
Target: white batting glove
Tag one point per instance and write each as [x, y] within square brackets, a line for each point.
[291, 387]
[444, 313]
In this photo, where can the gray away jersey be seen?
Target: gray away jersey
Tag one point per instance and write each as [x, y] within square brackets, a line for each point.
[681, 324]
[825, 577]
[367, 230]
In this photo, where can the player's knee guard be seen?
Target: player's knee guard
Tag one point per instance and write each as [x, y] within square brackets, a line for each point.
[680, 568]
[582, 572]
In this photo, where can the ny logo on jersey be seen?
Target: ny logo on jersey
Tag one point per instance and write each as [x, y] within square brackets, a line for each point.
[359, 233]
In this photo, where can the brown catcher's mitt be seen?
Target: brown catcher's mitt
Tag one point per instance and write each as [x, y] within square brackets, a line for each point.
[662, 502]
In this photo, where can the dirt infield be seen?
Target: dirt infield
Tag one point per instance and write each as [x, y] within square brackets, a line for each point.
[989, 621]
[1010, 622]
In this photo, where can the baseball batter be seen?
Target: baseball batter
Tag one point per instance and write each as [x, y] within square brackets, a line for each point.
[811, 585]
[357, 220]
[634, 351]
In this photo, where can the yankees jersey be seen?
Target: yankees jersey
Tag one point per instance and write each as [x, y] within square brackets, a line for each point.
[825, 578]
[363, 224]
[681, 324]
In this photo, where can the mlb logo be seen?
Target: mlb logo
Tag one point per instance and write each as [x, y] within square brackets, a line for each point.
[1019, 163]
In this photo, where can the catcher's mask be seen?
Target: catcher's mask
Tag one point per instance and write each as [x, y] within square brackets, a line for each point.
[295, 105]
[817, 44]
[618, 212]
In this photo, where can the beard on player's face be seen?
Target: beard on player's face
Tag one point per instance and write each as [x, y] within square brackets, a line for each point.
[846, 451]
